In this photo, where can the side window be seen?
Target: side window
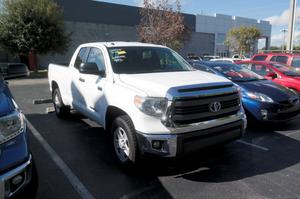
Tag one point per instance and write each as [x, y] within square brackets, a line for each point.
[282, 59]
[203, 68]
[96, 56]
[260, 69]
[81, 57]
[260, 57]
[244, 65]
[273, 58]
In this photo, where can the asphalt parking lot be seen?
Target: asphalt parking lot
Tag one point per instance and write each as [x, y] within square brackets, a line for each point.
[74, 160]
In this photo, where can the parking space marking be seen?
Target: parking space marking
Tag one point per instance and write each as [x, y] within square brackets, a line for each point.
[253, 145]
[73, 179]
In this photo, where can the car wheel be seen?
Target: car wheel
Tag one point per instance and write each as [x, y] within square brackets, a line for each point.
[61, 110]
[124, 141]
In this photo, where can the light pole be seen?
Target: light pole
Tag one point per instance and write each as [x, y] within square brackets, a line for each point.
[291, 28]
[283, 43]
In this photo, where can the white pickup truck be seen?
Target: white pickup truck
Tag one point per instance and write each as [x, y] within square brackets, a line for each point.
[149, 98]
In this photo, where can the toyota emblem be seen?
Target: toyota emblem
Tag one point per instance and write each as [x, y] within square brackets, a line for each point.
[215, 107]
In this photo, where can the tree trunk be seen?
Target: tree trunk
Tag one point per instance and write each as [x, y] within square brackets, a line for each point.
[32, 60]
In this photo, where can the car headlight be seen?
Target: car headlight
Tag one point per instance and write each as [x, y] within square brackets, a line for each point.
[259, 96]
[153, 106]
[11, 125]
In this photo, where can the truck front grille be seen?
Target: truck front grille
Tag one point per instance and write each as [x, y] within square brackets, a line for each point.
[193, 110]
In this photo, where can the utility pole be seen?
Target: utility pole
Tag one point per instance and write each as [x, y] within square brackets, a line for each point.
[291, 28]
[283, 43]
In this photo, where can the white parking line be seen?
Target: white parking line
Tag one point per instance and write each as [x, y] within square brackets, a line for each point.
[73, 179]
[253, 145]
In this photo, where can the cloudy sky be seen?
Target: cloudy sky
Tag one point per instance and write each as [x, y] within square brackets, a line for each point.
[276, 11]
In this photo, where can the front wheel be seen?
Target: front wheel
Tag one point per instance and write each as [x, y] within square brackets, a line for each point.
[124, 141]
[61, 110]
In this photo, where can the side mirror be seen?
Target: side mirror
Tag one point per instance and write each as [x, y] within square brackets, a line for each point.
[271, 75]
[90, 68]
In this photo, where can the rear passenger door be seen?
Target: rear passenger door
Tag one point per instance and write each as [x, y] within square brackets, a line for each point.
[94, 85]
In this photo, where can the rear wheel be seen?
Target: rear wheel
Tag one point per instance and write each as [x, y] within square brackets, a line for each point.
[124, 141]
[61, 110]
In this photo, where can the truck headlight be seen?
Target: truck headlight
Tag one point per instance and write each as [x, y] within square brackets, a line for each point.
[259, 96]
[11, 126]
[154, 106]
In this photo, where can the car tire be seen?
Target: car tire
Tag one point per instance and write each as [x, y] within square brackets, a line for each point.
[61, 110]
[124, 141]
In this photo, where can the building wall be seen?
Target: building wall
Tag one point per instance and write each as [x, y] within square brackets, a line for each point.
[200, 44]
[220, 24]
[89, 32]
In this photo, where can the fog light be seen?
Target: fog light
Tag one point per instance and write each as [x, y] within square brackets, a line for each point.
[157, 144]
[264, 114]
[16, 182]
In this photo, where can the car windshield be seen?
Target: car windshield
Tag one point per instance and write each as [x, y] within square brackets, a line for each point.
[237, 73]
[286, 70]
[135, 60]
[296, 62]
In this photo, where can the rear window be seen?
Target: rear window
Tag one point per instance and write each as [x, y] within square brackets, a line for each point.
[260, 57]
[296, 62]
[282, 59]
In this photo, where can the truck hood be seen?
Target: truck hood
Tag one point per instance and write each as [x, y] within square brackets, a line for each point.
[157, 84]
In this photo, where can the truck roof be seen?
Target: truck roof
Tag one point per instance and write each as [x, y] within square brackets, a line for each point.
[121, 44]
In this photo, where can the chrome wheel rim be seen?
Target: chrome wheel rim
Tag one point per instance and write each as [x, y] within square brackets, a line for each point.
[121, 144]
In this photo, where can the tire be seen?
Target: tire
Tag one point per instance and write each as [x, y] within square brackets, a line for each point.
[124, 141]
[61, 110]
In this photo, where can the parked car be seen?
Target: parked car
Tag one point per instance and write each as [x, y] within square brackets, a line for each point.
[194, 58]
[225, 59]
[149, 98]
[18, 175]
[209, 57]
[262, 99]
[279, 73]
[291, 60]
[13, 70]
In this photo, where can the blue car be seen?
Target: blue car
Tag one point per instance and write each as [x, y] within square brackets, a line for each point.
[262, 99]
[18, 177]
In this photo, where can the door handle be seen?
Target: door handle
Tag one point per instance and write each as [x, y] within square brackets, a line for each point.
[99, 88]
[81, 79]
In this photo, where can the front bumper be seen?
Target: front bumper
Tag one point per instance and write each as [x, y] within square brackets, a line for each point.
[271, 112]
[174, 145]
[21, 174]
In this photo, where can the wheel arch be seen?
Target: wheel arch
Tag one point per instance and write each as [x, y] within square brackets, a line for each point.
[111, 113]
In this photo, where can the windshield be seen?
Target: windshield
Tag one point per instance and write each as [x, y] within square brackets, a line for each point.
[296, 62]
[237, 73]
[286, 70]
[135, 60]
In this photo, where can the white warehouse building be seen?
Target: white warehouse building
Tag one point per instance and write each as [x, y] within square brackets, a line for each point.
[220, 24]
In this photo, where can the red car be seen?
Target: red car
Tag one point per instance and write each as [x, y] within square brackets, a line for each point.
[292, 60]
[276, 72]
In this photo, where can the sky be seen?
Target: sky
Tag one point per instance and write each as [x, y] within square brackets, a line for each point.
[275, 11]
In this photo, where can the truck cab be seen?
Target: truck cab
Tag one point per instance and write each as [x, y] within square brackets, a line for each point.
[149, 99]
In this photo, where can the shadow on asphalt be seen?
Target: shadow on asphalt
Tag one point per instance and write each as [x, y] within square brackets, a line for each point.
[88, 153]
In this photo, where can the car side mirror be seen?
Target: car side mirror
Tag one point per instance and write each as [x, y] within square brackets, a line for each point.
[271, 75]
[90, 68]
